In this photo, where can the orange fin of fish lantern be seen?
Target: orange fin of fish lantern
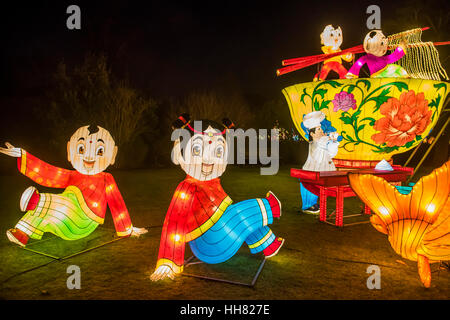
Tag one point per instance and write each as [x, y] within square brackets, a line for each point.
[417, 224]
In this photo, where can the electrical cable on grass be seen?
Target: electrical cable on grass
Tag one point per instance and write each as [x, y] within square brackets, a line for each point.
[344, 260]
[26, 271]
[64, 258]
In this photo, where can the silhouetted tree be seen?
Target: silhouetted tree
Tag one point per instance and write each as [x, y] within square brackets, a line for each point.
[89, 94]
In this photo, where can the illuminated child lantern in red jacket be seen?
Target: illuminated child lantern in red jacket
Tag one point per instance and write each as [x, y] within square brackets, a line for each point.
[203, 215]
[76, 212]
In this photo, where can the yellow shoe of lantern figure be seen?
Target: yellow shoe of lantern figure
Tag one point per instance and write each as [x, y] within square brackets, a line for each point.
[417, 224]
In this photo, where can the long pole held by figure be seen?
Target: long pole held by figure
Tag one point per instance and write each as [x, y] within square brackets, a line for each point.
[303, 62]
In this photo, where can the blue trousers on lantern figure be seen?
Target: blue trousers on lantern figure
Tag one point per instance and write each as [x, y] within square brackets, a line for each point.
[308, 198]
[245, 221]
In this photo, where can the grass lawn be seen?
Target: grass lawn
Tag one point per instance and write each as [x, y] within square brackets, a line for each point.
[318, 261]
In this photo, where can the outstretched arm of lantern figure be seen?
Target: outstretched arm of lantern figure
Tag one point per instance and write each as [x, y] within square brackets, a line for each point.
[173, 236]
[119, 212]
[37, 170]
[11, 151]
[347, 57]
[333, 144]
[398, 53]
[138, 231]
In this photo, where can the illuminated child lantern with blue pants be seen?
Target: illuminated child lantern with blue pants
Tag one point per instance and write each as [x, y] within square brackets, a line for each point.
[203, 215]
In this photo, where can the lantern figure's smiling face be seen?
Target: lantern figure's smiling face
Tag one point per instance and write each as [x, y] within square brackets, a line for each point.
[331, 37]
[91, 152]
[205, 155]
[376, 43]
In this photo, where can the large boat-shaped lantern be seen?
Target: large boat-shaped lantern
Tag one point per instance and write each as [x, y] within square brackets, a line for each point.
[376, 117]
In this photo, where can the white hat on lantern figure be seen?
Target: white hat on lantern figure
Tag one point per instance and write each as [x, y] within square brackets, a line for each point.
[313, 119]
[322, 148]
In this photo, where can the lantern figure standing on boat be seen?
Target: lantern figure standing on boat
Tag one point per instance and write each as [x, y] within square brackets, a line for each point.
[323, 147]
[202, 214]
[78, 211]
[332, 39]
[380, 66]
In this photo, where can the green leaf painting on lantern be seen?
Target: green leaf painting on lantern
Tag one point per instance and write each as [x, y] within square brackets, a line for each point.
[378, 95]
[436, 101]
[319, 92]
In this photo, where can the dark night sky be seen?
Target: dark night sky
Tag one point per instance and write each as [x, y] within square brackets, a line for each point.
[169, 48]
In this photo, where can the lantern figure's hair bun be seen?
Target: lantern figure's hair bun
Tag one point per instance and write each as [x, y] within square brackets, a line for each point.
[184, 120]
[373, 33]
[181, 122]
[227, 123]
[93, 129]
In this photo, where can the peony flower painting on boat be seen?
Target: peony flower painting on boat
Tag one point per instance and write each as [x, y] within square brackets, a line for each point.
[344, 101]
[404, 119]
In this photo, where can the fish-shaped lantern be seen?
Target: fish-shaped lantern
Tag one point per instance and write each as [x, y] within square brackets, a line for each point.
[417, 224]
